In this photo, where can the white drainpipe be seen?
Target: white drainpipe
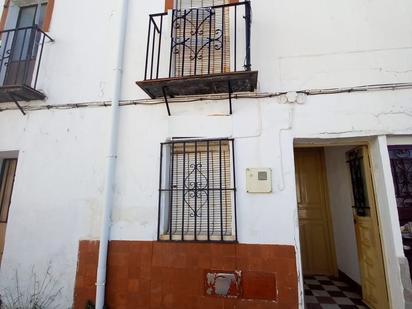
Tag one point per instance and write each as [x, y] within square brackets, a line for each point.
[111, 160]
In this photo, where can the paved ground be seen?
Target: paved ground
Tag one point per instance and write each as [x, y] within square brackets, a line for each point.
[329, 293]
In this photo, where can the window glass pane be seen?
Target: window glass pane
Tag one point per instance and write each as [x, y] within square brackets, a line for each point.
[26, 17]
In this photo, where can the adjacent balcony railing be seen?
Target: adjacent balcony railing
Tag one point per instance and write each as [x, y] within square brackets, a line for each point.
[199, 51]
[21, 53]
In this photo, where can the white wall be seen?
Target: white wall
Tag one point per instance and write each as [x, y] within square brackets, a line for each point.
[294, 46]
[341, 202]
[59, 183]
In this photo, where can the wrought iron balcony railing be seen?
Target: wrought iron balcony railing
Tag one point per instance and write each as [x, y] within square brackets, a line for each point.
[21, 52]
[199, 51]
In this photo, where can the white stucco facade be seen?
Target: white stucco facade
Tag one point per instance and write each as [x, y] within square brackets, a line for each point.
[59, 184]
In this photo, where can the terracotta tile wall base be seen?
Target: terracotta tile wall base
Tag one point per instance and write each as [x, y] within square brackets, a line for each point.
[173, 275]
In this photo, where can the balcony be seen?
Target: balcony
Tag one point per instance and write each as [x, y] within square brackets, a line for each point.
[199, 51]
[21, 51]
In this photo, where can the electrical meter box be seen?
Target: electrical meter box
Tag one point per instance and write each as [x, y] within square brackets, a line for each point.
[258, 180]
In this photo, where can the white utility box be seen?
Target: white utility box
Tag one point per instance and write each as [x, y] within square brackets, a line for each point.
[258, 180]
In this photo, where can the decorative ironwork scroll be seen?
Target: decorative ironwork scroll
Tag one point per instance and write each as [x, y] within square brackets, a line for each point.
[197, 41]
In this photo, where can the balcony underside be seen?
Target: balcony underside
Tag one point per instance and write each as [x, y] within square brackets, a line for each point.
[19, 93]
[245, 81]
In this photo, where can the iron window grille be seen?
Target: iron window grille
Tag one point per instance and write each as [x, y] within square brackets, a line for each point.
[401, 164]
[357, 172]
[197, 191]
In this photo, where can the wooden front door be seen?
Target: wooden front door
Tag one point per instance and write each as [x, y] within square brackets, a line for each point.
[316, 240]
[7, 173]
[374, 290]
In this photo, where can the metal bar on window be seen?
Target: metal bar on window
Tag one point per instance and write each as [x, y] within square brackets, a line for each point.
[223, 41]
[160, 192]
[160, 44]
[234, 186]
[221, 192]
[208, 189]
[153, 50]
[171, 181]
[195, 195]
[184, 45]
[148, 47]
[248, 23]
[183, 190]
[196, 41]
[235, 41]
[210, 40]
[171, 43]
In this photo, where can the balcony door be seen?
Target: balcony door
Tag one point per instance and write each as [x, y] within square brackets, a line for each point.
[24, 46]
[200, 42]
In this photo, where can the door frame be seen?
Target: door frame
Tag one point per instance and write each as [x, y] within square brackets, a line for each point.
[393, 290]
[325, 196]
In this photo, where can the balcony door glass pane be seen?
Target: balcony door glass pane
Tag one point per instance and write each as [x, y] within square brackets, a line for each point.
[27, 18]
[24, 47]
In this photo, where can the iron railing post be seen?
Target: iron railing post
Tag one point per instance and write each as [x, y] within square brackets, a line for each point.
[248, 23]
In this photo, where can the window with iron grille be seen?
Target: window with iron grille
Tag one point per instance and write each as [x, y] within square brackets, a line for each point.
[355, 159]
[401, 164]
[197, 199]
[200, 37]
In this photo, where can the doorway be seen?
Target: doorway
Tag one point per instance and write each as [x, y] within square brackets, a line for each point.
[341, 251]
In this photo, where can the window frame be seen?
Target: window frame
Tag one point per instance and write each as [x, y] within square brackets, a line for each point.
[47, 16]
[228, 199]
